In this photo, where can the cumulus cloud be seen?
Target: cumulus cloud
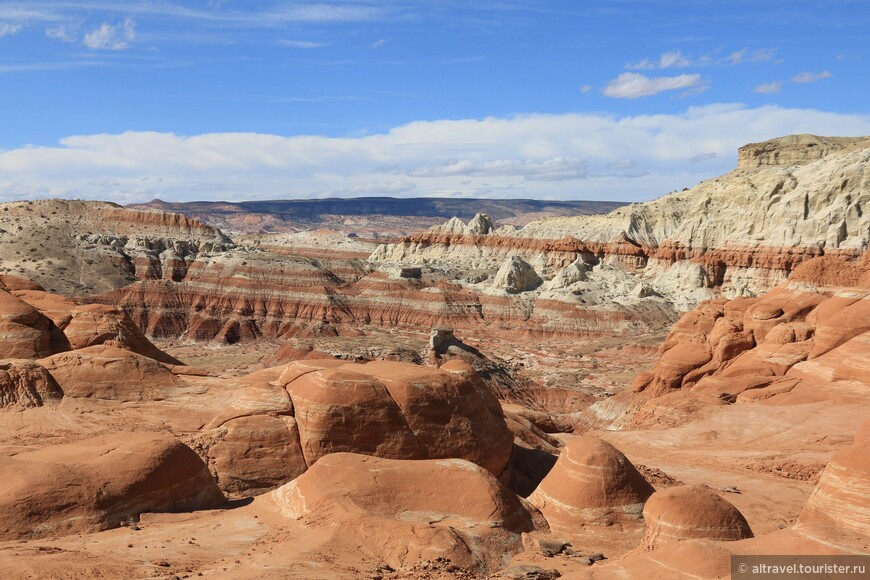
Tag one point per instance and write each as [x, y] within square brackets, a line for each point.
[634, 85]
[811, 77]
[111, 37]
[554, 156]
[768, 88]
[7, 29]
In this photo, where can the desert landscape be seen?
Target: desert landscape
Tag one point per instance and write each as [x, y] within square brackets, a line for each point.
[578, 391]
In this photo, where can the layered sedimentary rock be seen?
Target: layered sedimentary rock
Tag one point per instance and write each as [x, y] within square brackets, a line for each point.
[82, 247]
[691, 512]
[112, 373]
[591, 483]
[791, 199]
[99, 483]
[281, 421]
[401, 512]
[842, 497]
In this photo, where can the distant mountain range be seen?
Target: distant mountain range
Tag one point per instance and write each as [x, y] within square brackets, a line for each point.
[370, 215]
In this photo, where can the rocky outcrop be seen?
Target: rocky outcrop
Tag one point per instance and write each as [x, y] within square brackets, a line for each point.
[400, 411]
[691, 512]
[110, 373]
[791, 344]
[795, 150]
[399, 512]
[790, 200]
[25, 385]
[515, 276]
[591, 483]
[842, 497]
[100, 483]
[279, 422]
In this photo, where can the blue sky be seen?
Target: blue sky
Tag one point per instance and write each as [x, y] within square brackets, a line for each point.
[617, 99]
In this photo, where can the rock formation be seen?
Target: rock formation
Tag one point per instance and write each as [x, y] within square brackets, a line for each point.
[591, 483]
[516, 276]
[99, 483]
[691, 512]
[842, 497]
[400, 513]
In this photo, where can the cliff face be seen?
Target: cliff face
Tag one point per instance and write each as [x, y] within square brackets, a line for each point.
[79, 247]
[790, 200]
[795, 150]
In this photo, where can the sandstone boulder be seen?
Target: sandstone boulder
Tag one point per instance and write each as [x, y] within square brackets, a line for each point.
[691, 512]
[100, 483]
[24, 332]
[405, 512]
[396, 410]
[591, 483]
[109, 372]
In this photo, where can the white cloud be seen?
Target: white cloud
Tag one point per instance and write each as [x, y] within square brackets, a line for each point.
[676, 59]
[768, 88]
[673, 59]
[380, 188]
[543, 156]
[555, 169]
[586, 88]
[300, 43]
[701, 157]
[61, 32]
[111, 37]
[745, 55]
[7, 29]
[811, 77]
[634, 85]
[379, 43]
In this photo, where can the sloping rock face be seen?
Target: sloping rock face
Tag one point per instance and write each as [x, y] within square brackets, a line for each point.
[99, 483]
[398, 511]
[842, 497]
[24, 332]
[791, 199]
[591, 483]
[691, 512]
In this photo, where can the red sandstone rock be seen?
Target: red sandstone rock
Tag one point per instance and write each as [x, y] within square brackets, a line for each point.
[109, 372]
[99, 483]
[842, 497]
[403, 512]
[691, 512]
[25, 384]
[591, 483]
[24, 332]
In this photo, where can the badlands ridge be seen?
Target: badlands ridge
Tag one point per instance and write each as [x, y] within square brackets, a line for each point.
[642, 393]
